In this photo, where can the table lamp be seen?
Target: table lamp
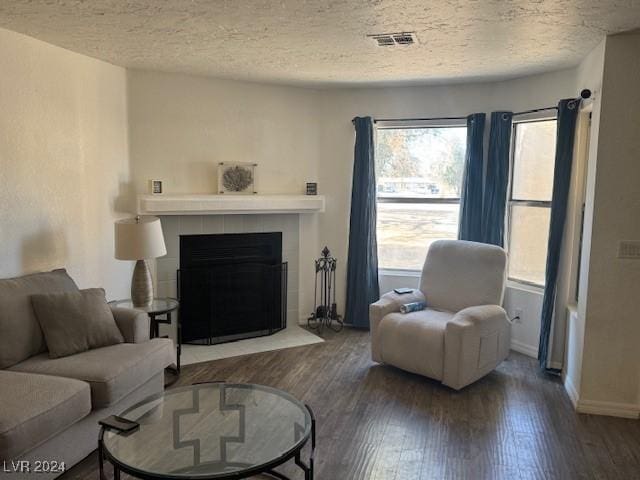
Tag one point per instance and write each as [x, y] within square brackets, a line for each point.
[138, 239]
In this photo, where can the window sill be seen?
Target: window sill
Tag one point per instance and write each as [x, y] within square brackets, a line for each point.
[525, 287]
[390, 272]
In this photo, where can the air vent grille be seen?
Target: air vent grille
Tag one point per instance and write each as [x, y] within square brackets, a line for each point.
[392, 39]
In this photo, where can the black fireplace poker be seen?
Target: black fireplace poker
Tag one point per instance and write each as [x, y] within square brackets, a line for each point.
[325, 312]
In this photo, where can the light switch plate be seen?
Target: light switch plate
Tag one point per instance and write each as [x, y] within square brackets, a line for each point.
[629, 249]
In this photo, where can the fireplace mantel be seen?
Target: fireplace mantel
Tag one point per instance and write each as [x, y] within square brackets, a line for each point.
[228, 204]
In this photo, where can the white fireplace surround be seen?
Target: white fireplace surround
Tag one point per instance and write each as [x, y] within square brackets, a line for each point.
[228, 204]
[210, 214]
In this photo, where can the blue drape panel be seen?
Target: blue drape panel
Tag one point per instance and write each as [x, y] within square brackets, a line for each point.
[470, 223]
[497, 179]
[362, 266]
[565, 134]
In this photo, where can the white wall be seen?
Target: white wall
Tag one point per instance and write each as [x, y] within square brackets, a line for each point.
[64, 162]
[338, 107]
[182, 126]
[611, 359]
[588, 75]
[524, 302]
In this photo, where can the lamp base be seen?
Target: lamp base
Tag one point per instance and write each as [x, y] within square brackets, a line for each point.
[141, 285]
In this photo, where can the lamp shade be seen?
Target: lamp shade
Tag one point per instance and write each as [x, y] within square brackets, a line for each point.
[139, 238]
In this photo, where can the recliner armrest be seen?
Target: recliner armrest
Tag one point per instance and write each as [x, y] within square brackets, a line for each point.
[389, 302]
[476, 340]
[133, 324]
[484, 317]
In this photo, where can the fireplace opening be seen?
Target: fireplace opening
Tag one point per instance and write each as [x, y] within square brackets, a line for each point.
[231, 286]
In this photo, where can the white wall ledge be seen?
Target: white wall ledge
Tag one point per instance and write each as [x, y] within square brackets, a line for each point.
[228, 204]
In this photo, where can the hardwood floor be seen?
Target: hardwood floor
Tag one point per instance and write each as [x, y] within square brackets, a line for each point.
[378, 422]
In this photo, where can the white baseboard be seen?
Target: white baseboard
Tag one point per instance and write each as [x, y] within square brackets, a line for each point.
[571, 390]
[611, 409]
[525, 349]
[596, 407]
[531, 351]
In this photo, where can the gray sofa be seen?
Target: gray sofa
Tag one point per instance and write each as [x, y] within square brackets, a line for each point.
[50, 408]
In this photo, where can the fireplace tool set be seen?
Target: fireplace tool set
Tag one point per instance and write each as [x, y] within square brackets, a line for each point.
[325, 313]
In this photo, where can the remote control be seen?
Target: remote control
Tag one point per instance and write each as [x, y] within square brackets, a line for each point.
[403, 290]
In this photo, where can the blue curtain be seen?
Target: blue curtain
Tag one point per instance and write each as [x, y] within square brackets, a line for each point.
[470, 223]
[497, 179]
[565, 135]
[362, 266]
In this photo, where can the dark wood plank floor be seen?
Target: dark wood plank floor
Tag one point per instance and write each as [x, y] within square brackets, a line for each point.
[378, 422]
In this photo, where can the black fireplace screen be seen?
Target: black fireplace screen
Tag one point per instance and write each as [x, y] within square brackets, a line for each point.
[231, 286]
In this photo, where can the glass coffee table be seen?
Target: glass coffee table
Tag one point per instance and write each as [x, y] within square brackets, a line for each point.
[211, 431]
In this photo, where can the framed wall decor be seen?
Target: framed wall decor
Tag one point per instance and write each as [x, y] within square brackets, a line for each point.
[155, 187]
[237, 178]
[312, 188]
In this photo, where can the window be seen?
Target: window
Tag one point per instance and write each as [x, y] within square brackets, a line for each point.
[533, 155]
[419, 175]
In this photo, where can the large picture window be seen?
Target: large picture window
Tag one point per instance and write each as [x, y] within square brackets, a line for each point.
[533, 155]
[419, 175]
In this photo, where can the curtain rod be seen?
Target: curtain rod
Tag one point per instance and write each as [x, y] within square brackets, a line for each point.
[586, 93]
[535, 110]
[376, 120]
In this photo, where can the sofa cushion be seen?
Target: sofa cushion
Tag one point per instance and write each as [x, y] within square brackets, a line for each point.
[415, 341]
[74, 322]
[20, 333]
[112, 372]
[37, 407]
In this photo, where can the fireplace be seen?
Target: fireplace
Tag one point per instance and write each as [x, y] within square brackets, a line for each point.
[231, 286]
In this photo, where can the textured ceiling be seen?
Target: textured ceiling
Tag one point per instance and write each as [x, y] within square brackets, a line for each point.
[324, 43]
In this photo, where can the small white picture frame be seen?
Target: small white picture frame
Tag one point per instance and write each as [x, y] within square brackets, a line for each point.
[237, 178]
[155, 187]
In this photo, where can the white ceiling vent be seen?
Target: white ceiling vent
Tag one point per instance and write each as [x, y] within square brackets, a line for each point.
[392, 39]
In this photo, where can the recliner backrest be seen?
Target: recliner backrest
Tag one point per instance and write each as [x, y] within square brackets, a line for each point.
[458, 274]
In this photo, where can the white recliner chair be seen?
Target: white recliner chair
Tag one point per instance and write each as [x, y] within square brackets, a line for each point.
[464, 333]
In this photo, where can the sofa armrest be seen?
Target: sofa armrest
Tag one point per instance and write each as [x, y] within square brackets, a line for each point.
[389, 302]
[476, 340]
[133, 324]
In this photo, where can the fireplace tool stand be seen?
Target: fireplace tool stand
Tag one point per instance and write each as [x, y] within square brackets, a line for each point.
[325, 313]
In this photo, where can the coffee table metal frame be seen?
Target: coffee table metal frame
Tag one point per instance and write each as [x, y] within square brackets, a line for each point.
[265, 468]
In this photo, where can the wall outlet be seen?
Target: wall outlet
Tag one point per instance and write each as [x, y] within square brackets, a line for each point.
[518, 315]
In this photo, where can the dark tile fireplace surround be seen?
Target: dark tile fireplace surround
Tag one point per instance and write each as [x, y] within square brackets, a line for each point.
[231, 286]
